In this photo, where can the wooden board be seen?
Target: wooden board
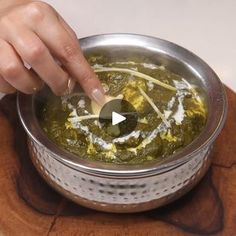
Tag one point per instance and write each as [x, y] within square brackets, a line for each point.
[28, 206]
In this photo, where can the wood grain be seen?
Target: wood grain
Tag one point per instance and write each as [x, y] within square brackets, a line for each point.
[28, 206]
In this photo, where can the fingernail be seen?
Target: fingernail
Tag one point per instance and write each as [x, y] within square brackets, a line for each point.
[98, 96]
[27, 66]
[70, 87]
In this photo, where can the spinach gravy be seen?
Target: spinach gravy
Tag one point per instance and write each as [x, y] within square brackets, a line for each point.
[172, 113]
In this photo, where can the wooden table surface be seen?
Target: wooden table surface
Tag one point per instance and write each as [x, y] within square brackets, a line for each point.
[28, 206]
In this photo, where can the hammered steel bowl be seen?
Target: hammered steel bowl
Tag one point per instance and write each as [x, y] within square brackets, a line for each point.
[131, 188]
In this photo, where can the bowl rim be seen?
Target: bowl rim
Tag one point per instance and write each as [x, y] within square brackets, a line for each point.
[25, 108]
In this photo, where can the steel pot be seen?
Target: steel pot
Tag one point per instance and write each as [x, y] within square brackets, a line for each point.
[131, 188]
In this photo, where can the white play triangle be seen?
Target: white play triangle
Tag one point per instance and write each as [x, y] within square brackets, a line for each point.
[117, 118]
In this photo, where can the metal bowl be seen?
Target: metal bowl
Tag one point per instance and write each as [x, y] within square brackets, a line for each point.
[131, 188]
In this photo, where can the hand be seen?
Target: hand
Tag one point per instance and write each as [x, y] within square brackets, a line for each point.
[34, 34]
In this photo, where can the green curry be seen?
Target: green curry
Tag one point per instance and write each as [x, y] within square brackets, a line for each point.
[172, 113]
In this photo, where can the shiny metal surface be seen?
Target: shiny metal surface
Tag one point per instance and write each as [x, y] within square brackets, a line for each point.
[176, 59]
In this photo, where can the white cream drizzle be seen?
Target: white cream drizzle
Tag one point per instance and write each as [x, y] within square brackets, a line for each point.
[134, 134]
[150, 85]
[179, 114]
[171, 103]
[81, 103]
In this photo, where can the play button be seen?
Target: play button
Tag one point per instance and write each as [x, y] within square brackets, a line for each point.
[118, 118]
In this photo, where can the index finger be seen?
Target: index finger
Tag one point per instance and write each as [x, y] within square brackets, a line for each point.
[67, 49]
